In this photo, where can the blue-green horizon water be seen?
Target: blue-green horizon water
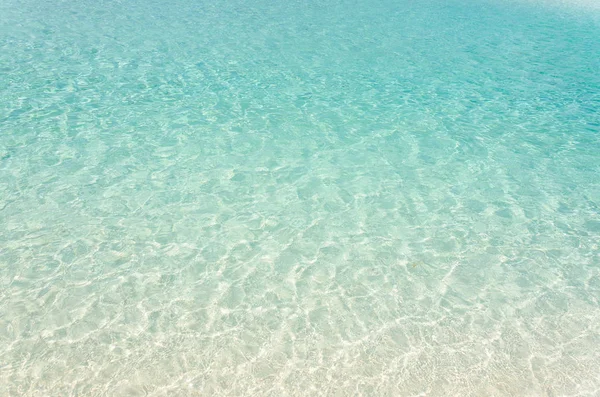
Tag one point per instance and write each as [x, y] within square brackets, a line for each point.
[337, 198]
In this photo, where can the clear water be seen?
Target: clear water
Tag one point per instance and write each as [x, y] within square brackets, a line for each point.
[299, 198]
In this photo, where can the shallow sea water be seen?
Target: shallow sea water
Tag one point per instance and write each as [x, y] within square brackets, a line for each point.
[299, 198]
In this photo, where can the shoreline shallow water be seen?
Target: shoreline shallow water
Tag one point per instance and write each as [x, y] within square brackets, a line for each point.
[331, 198]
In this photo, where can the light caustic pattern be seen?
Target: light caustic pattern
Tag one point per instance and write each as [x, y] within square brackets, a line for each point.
[384, 198]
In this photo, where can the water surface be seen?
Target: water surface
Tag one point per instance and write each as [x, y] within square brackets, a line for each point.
[301, 198]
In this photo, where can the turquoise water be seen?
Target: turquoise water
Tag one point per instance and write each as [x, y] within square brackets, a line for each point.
[341, 198]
